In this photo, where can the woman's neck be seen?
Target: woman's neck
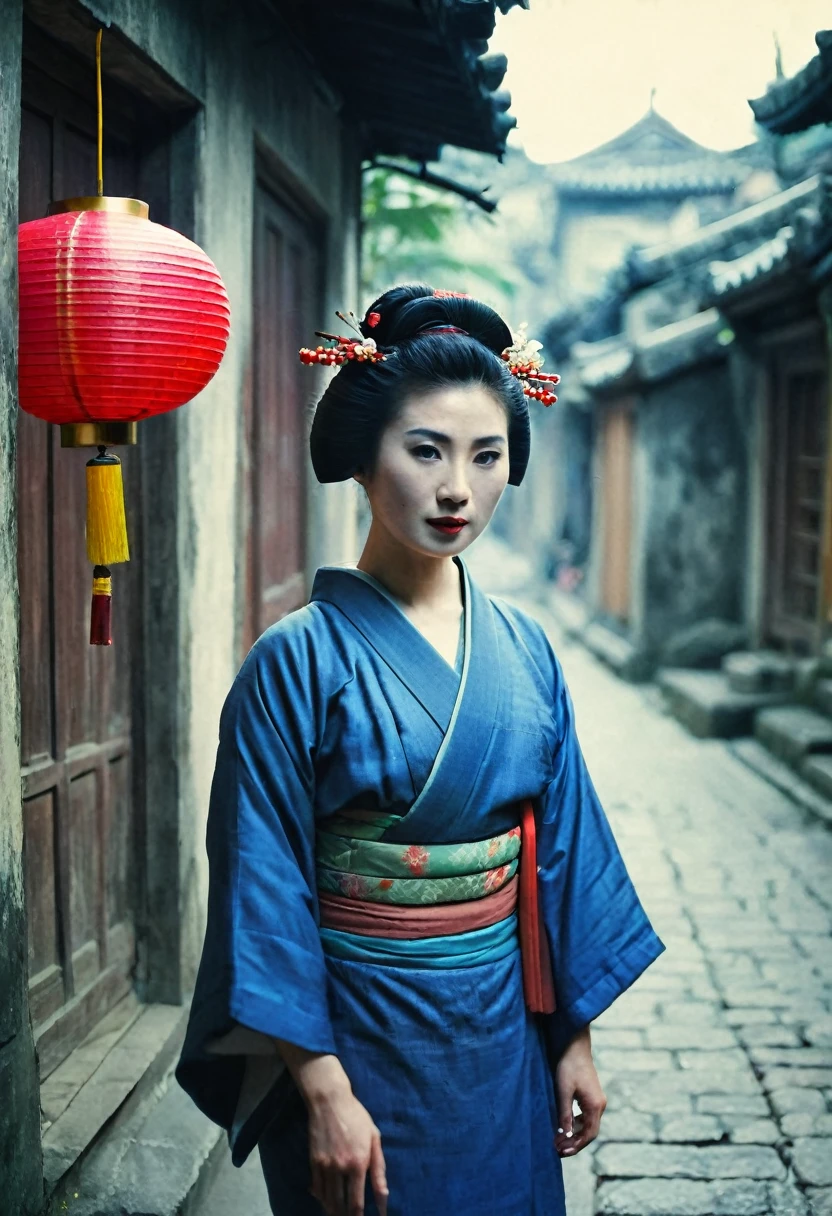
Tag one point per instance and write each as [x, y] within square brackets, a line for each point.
[413, 578]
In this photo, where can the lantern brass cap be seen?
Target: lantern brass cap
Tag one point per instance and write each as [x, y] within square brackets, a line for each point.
[102, 202]
[96, 434]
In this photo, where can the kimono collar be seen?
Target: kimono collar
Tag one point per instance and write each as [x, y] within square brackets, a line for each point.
[465, 709]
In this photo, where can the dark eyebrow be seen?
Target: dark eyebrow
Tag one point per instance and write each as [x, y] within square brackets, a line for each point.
[438, 437]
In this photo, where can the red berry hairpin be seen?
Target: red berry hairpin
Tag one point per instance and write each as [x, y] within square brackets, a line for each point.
[524, 361]
[343, 350]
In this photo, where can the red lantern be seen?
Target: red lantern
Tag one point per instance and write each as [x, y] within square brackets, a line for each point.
[120, 319]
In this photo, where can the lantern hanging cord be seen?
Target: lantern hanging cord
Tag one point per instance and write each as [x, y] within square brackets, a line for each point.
[99, 99]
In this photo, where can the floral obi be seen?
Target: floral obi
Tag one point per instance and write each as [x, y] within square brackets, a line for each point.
[426, 905]
[445, 905]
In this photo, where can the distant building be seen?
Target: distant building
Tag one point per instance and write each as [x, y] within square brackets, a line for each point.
[710, 394]
[652, 183]
[648, 183]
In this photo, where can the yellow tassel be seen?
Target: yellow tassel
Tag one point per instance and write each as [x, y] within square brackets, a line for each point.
[106, 522]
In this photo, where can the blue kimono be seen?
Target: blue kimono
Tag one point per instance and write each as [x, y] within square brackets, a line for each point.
[344, 704]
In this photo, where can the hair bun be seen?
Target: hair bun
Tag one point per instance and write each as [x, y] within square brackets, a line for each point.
[406, 311]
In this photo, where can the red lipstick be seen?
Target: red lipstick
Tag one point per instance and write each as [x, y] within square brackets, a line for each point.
[450, 525]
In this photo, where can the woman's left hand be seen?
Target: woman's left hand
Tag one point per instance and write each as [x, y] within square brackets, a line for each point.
[576, 1079]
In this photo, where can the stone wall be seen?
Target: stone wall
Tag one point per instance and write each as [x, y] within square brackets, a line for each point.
[20, 1161]
[693, 503]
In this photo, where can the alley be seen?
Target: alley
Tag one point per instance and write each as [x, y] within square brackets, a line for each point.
[717, 1064]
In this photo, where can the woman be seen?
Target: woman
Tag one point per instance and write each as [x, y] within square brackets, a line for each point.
[363, 1008]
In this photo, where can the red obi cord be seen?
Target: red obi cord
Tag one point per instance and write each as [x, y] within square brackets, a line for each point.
[538, 982]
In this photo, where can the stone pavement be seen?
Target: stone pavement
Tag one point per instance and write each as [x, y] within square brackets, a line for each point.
[717, 1064]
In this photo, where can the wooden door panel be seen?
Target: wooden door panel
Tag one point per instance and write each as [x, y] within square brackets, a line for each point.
[76, 746]
[84, 864]
[798, 442]
[40, 861]
[286, 270]
[75, 663]
[617, 449]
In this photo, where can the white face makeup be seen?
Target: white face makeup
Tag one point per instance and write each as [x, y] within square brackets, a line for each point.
[442, 466]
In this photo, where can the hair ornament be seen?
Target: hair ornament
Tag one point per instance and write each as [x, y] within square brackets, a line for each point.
[525, 361]
[441, 294]
[343, 350]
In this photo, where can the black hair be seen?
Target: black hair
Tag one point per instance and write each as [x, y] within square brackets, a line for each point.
[364, 398]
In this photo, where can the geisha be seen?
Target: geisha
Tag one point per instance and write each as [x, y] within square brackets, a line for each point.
[416, 904]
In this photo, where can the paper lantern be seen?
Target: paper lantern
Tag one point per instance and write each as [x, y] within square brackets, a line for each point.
[120, 319]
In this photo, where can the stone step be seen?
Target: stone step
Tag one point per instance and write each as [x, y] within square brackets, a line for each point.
[793, 732]
[817, 770]
[825, 659]
[823, 696]
[161, 1162]
[110, 1079]
[617, 652]
[759, 671]
[705, 703]
[752, 753]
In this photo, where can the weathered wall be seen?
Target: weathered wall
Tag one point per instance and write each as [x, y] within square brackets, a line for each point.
[693, 457]
[20, 1161]
[594, 234]
[238, 89]
[256, 97]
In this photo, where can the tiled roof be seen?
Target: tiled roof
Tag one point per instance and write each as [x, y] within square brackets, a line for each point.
[802, 100]
[801, 249]
[751, 226]
[760, 262]
[617, 363]
[655, 158]
[603, 363]
[704, 176]
[413, 77]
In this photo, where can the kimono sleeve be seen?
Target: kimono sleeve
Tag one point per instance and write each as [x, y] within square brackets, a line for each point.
[600, 937]
[262, 964]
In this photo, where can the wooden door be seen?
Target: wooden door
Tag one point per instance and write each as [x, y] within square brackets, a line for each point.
[616, 508]
[285, 298]
[76, 729]
[798, 455]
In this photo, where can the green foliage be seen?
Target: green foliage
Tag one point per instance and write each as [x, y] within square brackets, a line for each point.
[409, 236]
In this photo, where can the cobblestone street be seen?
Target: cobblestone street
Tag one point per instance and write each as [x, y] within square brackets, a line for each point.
[717, 1064]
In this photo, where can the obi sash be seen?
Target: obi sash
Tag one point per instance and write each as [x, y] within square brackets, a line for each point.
[432, 906]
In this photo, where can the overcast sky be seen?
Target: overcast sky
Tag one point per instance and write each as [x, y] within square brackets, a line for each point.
[580, 71]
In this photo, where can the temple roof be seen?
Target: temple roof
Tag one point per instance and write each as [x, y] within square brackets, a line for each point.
[653, 157]
[802, 100]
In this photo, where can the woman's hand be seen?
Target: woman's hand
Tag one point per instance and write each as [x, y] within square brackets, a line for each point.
[576, 1078]
[344, 1142]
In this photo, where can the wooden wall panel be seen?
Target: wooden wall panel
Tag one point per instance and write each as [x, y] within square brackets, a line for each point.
[76, 743]
[616, 499]
[285, 291]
